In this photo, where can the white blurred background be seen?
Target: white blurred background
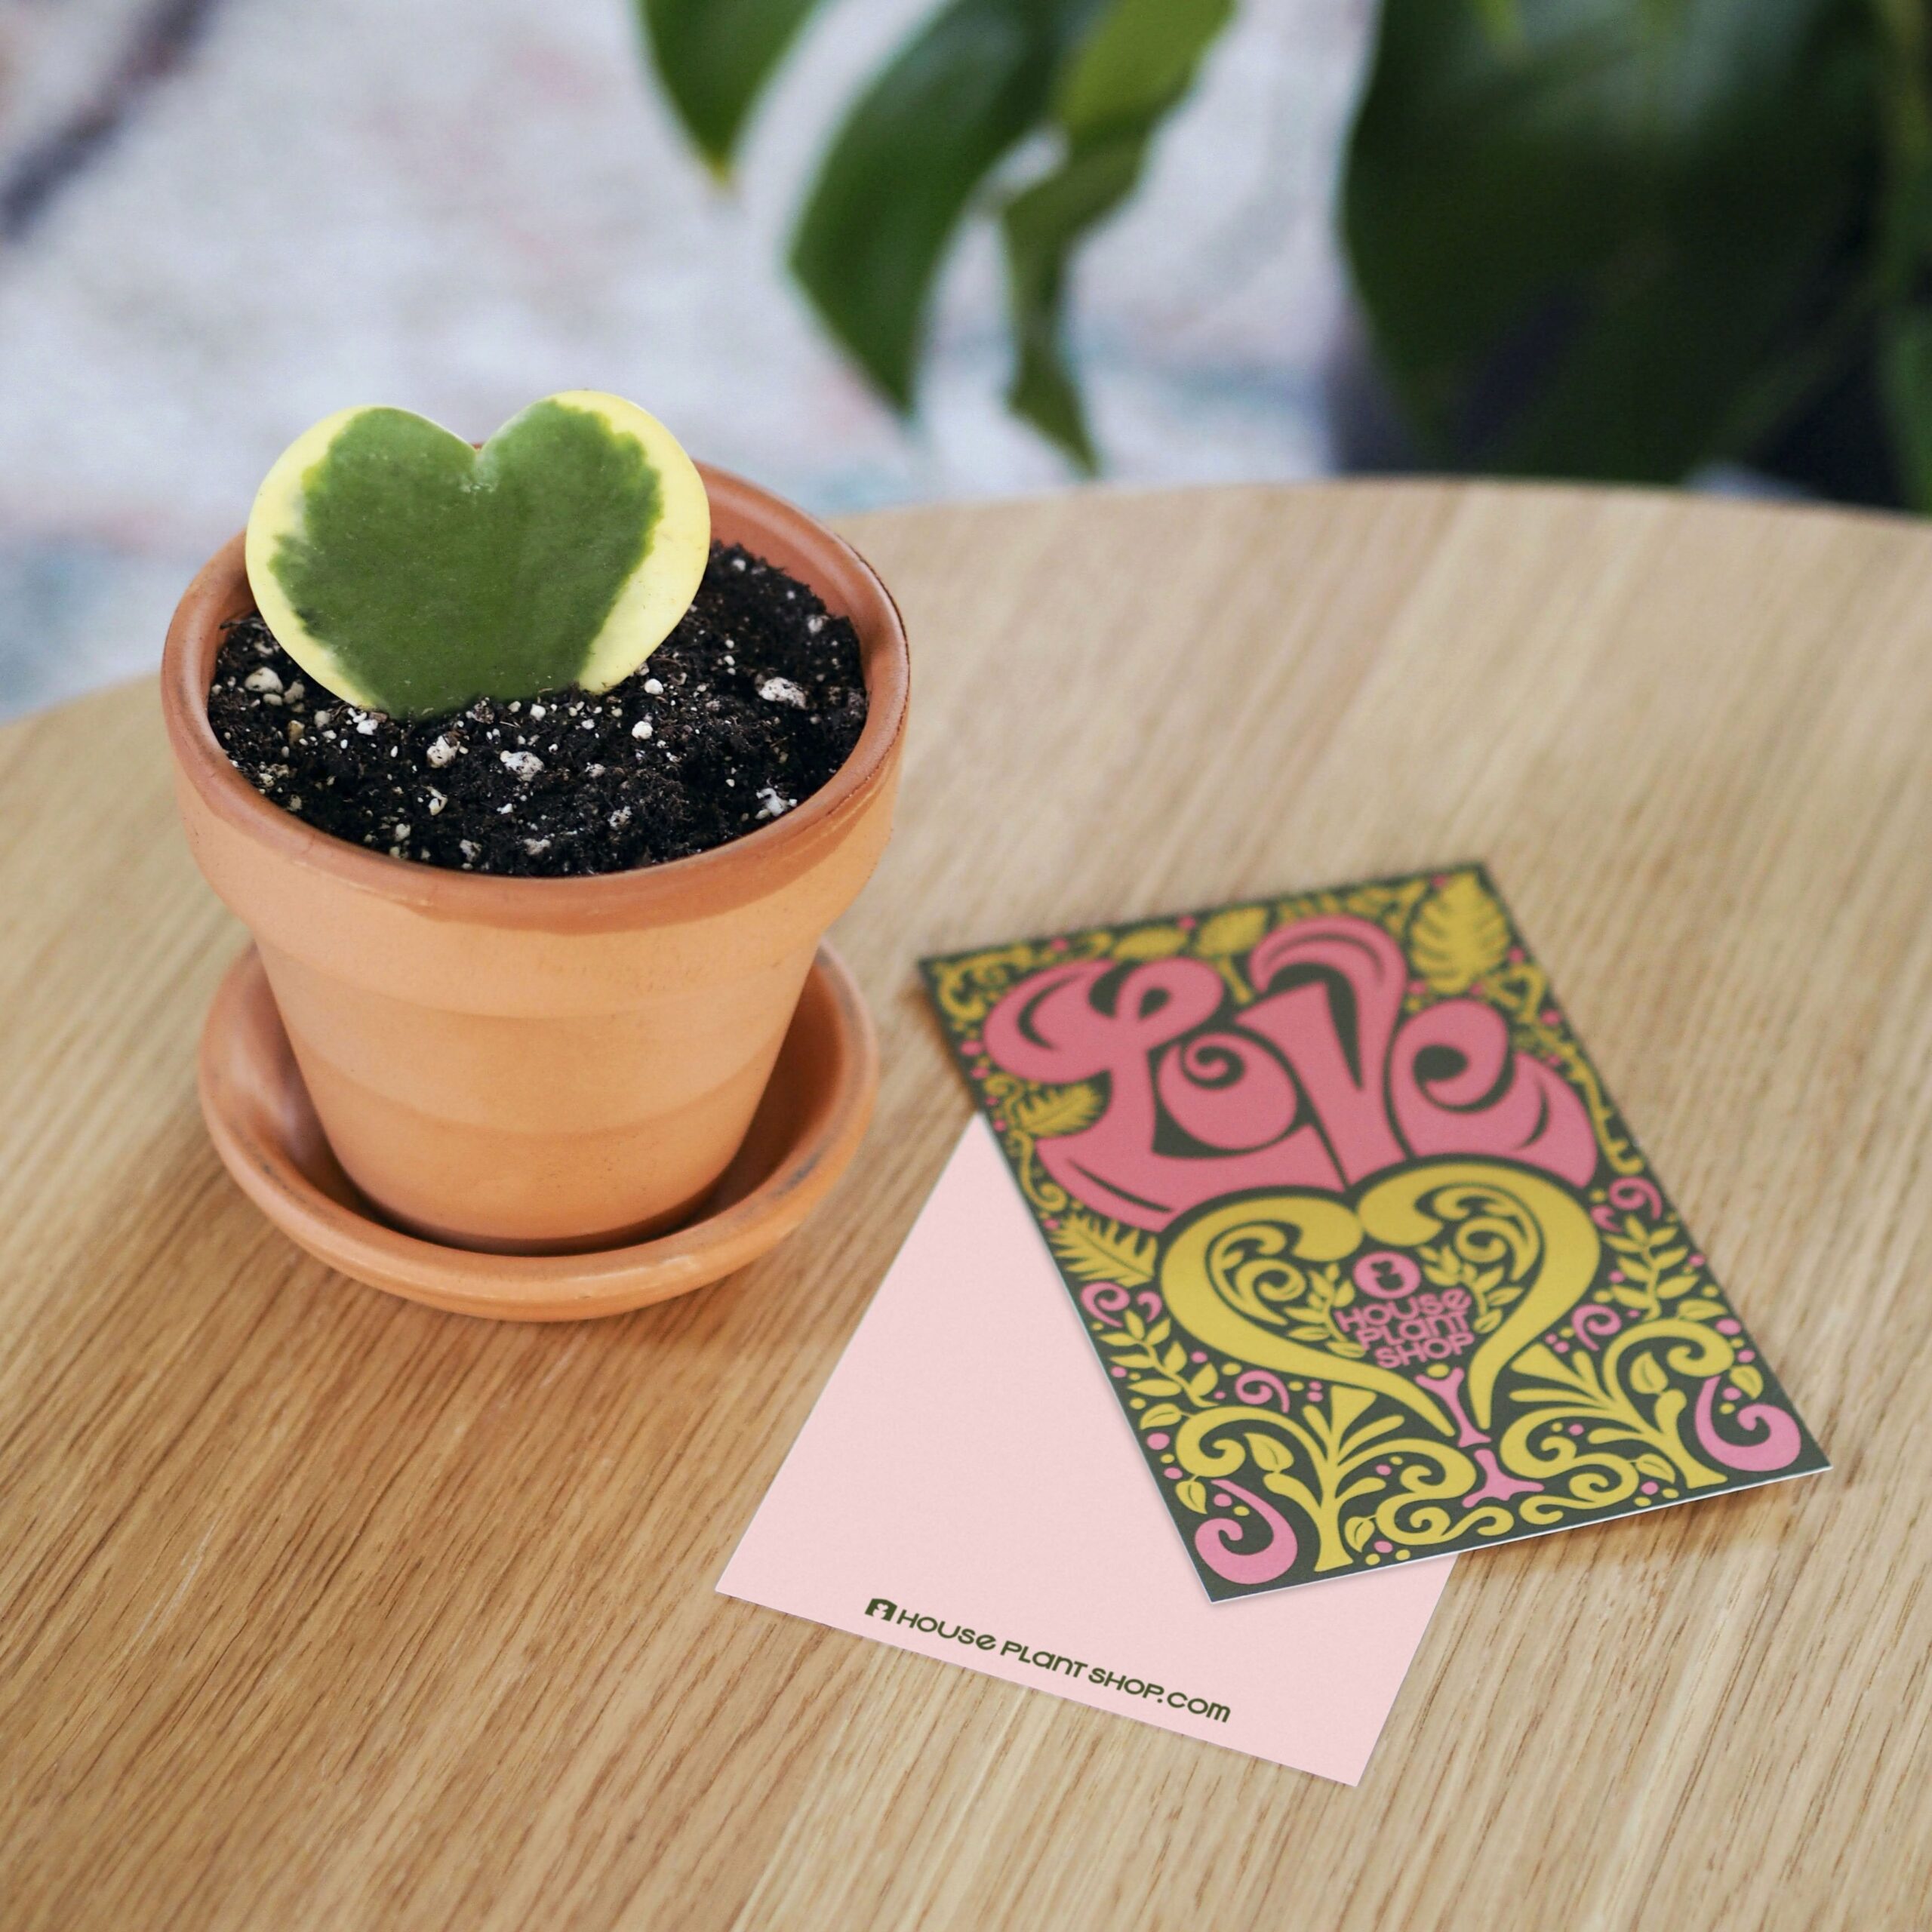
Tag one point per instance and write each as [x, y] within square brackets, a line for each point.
[221, 219]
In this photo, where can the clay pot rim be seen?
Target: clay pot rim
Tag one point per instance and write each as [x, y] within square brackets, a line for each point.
[754, 864]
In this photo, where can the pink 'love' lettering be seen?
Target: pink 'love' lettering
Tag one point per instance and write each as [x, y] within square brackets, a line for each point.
[1318, 1083]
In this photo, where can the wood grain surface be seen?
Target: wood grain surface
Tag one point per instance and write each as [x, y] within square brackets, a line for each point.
[321, 1609]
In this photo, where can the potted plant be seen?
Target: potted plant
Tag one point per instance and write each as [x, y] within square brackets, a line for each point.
[539, 1033]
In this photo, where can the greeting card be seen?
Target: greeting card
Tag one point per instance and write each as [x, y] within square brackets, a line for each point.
[1372, 1264]
[964, 1488]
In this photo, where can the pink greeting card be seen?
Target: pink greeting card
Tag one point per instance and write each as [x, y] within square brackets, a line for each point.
[966, 1487]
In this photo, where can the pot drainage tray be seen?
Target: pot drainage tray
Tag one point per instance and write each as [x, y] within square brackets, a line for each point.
[808, 1127]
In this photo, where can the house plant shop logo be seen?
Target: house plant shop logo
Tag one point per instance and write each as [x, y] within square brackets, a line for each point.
[1049, 1661]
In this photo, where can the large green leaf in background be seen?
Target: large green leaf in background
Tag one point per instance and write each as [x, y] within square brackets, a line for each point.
[1613, 238]
[715, 58]
[1133, 68]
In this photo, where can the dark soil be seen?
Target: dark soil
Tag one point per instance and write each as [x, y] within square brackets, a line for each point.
[741, 714]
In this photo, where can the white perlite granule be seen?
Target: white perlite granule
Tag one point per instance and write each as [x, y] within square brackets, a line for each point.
[521, 765]
[782, 690]
[641, 729]
[771, 805]
[441, 753]
[263, 678]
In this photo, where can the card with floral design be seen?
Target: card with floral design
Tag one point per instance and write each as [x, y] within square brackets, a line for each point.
[1375, 1267]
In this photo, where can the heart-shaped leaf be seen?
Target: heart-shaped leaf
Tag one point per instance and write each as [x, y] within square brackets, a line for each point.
[411, 573]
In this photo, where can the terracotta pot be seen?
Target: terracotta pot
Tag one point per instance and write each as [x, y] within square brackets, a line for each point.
[531, 1065]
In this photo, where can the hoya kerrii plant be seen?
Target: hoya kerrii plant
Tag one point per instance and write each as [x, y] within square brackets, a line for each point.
[411, 573]
[561, 663]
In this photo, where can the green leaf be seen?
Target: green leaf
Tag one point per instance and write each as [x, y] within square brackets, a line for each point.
[409, 572]
[1268, 1454]
[714, 58]
[1193, 1494]
[1043, 226]
[1502, 21]
[1137, 58]
[1133, 69]
[1161, 1415]
[953, 103]
[1358, 1531]
[1610, 242]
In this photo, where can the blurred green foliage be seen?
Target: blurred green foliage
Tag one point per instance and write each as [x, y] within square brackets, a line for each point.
[1621, 239]
[1597, 238]
[1090, 81]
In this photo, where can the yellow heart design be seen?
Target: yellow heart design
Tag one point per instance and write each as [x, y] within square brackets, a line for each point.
[1257, 1277]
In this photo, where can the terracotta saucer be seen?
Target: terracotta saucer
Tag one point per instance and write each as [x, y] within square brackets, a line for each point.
[807, 1129]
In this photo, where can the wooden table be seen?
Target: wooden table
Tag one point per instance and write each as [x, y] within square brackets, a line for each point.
[317, 1609]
